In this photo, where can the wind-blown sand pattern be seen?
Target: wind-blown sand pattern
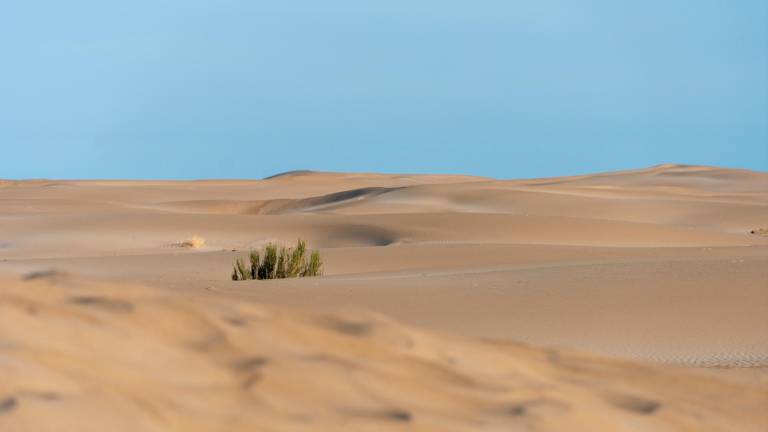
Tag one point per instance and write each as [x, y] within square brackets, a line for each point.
[93, 357]
[432, 283]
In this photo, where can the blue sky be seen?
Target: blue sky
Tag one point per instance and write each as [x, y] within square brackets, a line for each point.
[244, 89]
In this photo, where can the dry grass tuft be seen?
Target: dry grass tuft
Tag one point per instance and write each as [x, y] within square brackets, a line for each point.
[194, 242]
[279, 262]
[760, 231]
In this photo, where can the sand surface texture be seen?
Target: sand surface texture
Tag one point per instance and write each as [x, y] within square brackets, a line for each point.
[84, 356]
[431, 284]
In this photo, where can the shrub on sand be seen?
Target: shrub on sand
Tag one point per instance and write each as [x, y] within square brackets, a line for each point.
[279, 262]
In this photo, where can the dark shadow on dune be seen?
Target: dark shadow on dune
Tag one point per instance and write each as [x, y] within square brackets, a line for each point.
[8, 404]
[276, 206]
[357, 235]
[323, 202]
[539, 406]
[51, 275]
[250, 363]
[635, 404]
[350, 194]
[350, 328]
[393, 415]
[108, 304]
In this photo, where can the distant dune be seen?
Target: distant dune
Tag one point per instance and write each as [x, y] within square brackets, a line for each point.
[432, 281]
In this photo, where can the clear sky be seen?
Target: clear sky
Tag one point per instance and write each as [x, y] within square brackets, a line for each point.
[504, 88]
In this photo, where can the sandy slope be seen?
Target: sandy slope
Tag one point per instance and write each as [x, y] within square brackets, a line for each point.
[86, 356]
[654, 264]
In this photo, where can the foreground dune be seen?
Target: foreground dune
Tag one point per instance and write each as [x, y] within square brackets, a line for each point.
[88, 356]
[656, 271]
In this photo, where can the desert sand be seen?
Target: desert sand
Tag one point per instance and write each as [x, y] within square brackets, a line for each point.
[632, 300]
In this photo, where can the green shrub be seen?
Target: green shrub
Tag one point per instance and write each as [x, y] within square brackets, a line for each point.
[297, 260]
[254, 258]
[267, 268]
[279, 262]
[315, 265]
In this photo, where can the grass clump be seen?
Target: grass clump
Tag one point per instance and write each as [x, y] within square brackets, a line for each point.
[279, 262]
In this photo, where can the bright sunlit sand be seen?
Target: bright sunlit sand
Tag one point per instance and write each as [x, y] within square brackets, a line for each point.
[623, 301]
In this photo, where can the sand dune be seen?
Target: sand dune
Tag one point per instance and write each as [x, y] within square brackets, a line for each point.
[656, 264]
[694, 311]
[88, 356]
